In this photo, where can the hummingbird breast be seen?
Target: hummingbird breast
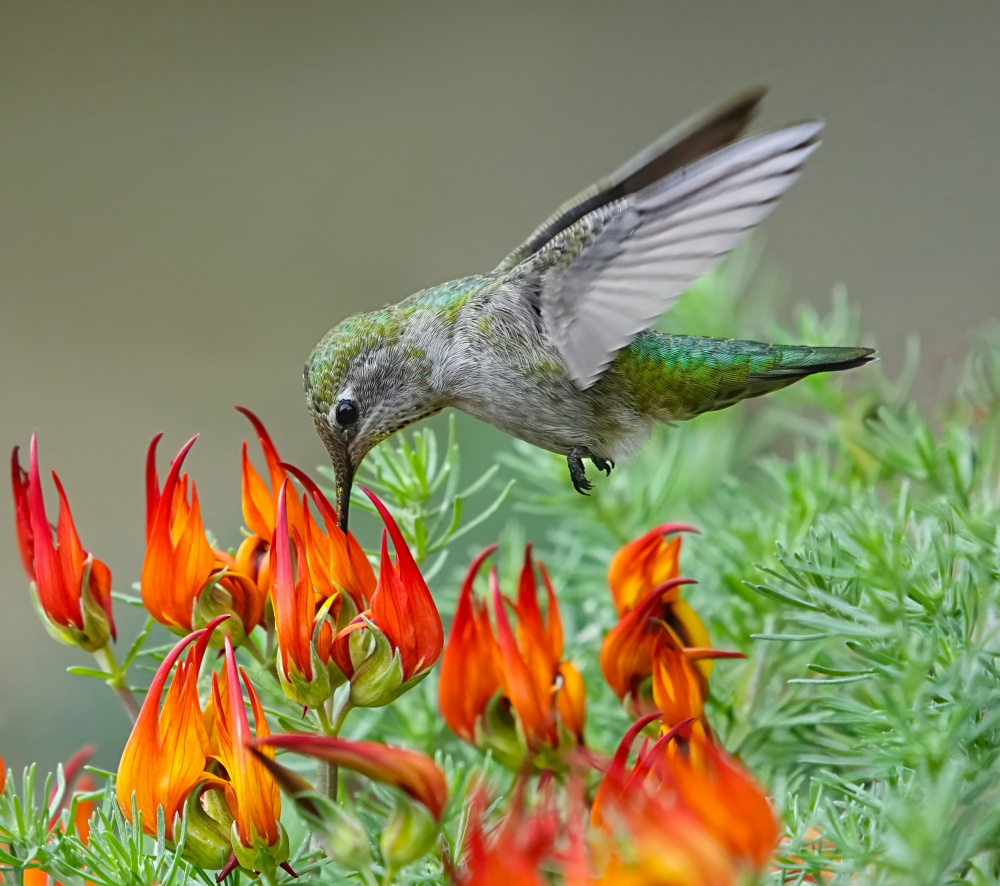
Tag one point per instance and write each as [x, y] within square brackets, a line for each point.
[502, 369]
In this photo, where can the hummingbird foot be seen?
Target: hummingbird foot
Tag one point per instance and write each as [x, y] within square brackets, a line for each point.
[602, 464]
[576, 472]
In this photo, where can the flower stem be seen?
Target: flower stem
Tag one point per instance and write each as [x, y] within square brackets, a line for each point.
[116, 680]
[331, 724]
[255, 653]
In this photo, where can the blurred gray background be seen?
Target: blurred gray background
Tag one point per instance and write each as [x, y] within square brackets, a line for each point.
[191, 193]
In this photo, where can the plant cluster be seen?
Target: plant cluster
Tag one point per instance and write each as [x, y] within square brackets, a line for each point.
[848, 556]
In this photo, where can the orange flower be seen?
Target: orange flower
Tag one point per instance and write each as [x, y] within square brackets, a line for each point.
[471, 673]
[166, 755]
[485, 677]
[679, 688]
[516, 850]
[184, 582]
[650, 842]
[415, 774]
[724, 797]
[403, 624]
[302, 663]
[260, 507]
[251, 793]
[537, 683]
[73, 587]
[644, 564]
[336, 560]
[651, 837]
[627, 651]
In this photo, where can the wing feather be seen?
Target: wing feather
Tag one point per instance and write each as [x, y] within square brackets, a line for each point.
[682, 145]
[612, 272]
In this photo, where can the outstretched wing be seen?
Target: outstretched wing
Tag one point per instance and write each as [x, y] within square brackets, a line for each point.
[695, 137]
[611, 272]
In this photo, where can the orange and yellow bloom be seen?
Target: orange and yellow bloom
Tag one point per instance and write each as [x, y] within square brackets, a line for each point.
[399, 637]
[642, 565]
[72, 587]
[471, 673]
[167, 754]
[185, 584]
[260, 507]
[511, 691]
[304, 639]
[259, 841]
[195, 761]
[652, 616]
[723, 796]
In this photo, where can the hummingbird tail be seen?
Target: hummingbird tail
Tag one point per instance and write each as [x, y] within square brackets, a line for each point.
[676, 377]
[787, 364]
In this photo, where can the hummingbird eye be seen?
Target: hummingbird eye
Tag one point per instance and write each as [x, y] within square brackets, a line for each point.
[346, 413]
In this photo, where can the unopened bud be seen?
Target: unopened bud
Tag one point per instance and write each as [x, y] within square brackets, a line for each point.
[378, 677]
[206, 843]
[408, 834]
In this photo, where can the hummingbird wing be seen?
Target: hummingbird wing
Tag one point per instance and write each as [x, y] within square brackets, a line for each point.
[614, 270]
[698, 135]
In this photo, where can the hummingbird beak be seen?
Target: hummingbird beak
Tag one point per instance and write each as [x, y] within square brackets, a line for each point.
[343, 468]
[345, 480]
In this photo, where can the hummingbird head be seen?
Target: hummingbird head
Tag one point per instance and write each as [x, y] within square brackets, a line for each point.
[364, 381]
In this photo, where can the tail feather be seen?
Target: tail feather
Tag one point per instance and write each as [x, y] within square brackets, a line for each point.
[676, 377]
[787, 365]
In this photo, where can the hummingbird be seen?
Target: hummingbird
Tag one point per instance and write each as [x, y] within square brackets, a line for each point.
[554, 345]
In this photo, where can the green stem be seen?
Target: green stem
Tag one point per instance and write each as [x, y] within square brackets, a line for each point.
[324, 720]
[326, 773]
[255, 653]
[116, 680]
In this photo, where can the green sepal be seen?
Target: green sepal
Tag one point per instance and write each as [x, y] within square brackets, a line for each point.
[312, 693]
[260, 856]
[96, 624]
[499, 731]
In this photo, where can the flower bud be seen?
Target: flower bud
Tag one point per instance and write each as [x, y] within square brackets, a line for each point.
[498, 731]
[206, 843]
[378, 677]
[408, 834]
[346, 839]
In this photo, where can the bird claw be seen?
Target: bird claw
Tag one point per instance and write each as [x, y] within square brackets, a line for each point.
[577, 473]
[603, 464]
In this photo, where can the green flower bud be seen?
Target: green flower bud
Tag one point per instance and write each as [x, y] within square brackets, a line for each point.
[206, 842]
[346, 839]
[378, 678]
[408, 834]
